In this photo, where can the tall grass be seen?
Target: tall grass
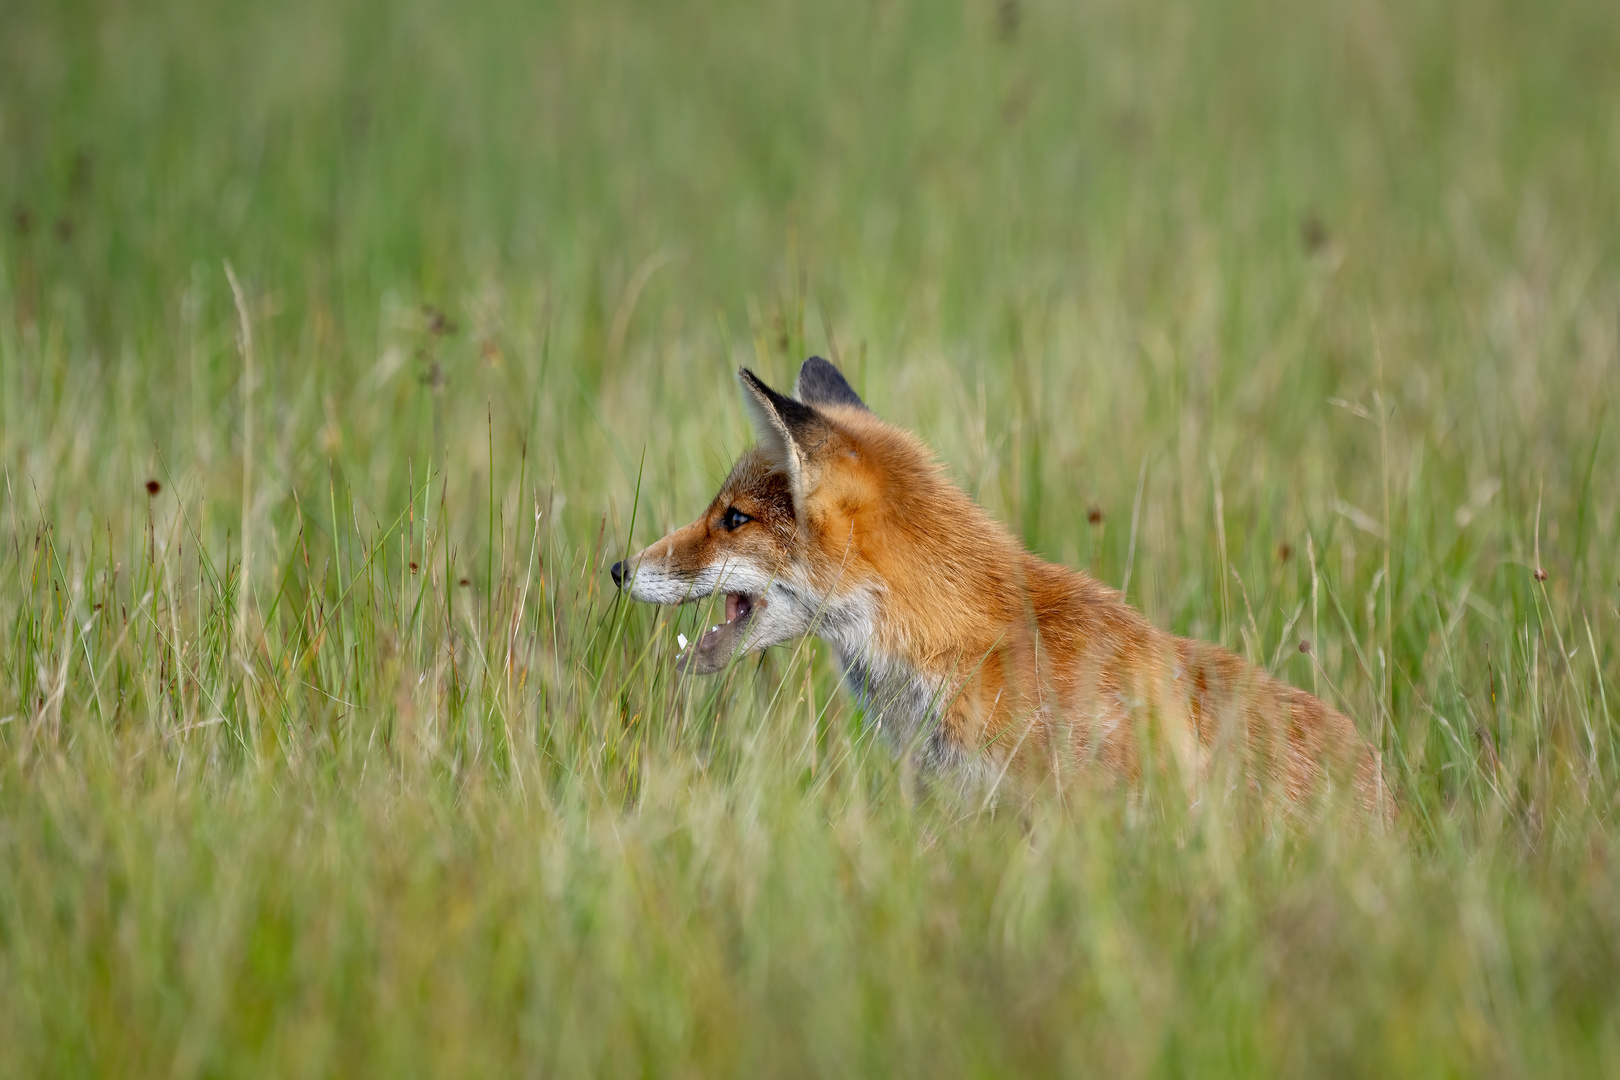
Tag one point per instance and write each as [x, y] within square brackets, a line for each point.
[343, 346]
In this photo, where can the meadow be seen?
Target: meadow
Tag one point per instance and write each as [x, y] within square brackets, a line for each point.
[344, 345]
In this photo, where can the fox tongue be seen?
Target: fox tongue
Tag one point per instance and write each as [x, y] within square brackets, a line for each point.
[713, 649]
[716, 637]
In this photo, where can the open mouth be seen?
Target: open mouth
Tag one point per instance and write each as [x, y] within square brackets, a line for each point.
[711, 651]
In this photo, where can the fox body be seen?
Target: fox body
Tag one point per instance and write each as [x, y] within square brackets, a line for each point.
[972, 655]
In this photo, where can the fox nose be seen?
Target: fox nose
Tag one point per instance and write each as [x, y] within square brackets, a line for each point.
[618, 573]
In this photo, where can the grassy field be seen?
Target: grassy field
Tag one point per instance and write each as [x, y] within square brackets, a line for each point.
[326, 747]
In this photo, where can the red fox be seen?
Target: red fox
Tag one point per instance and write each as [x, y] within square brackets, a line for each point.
[972, 655]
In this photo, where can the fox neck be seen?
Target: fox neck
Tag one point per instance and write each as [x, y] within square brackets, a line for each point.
[927, 604]
[904, 666]
[895, 696]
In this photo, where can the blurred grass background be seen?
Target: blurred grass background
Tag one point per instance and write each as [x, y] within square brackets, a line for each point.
[334, 755]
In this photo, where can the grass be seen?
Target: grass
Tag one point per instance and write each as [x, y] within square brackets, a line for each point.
[325, 747]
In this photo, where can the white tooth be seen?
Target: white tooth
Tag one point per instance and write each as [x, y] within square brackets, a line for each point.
[682, 639]
[713, 628]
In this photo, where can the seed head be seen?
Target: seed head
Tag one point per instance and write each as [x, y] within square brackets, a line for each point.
[1540, 574]
[414, 568]
[438, 323]
[1009, 14]
[1094, 516]
[153, 487]
[1313, 234]
[1304, 646]
[79, 176]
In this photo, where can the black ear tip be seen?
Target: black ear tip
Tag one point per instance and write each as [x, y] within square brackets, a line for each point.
[821, 383]
[819, 371]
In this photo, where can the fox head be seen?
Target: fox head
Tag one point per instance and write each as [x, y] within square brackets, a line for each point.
[788, 538]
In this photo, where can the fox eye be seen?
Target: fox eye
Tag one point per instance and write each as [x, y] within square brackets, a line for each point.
[733, 519]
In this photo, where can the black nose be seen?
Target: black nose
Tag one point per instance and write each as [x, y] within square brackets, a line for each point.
[618, 573]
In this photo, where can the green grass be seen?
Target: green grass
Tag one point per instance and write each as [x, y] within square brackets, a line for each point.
[338, 755]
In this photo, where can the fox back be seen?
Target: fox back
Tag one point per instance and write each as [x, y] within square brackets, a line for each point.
[972, 655]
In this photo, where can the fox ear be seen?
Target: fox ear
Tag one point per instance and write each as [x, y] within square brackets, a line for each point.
[788, 430]
[820, 383]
